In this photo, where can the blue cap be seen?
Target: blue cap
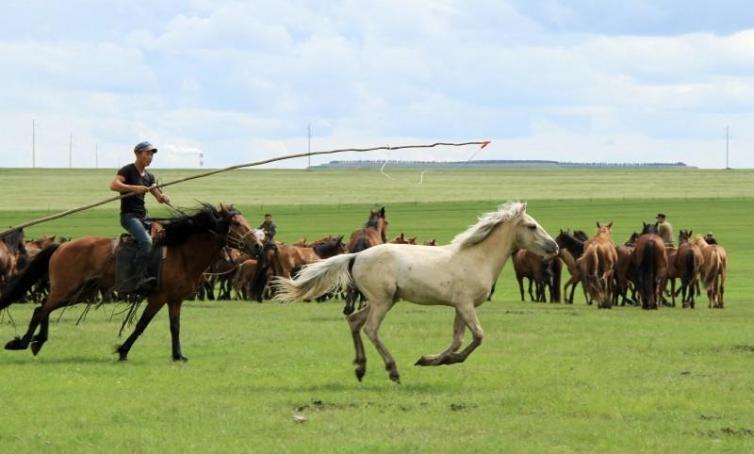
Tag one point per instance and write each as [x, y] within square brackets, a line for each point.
[144, 146]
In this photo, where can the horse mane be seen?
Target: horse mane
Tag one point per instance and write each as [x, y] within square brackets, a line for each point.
[206, 218]
[15, 241]
[487, 222]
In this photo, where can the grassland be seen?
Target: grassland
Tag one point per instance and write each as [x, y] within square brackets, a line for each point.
[549, 378]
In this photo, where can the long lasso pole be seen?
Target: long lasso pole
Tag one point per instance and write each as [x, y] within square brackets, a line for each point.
[51, 217]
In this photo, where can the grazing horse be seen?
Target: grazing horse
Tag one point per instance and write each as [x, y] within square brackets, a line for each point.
[373, 233]
[688, 263]
[713, 271]
[192, 243]
[597, 265]
[650, 263]
[459, 275]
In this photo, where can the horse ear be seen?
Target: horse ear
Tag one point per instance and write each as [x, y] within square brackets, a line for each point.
[382, 212]
[598, 225]
[523, 207]
[610, 225]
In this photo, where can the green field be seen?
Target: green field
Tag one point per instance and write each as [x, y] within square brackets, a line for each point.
[548, 378]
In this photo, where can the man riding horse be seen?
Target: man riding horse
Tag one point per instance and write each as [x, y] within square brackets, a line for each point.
[133, 213]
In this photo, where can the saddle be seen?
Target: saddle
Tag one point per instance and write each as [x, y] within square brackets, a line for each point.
[128, 272]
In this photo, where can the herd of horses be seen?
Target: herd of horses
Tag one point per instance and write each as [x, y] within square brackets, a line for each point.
[215, 247]
[637, 272]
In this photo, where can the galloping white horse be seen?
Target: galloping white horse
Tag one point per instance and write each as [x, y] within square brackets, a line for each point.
[460, 274]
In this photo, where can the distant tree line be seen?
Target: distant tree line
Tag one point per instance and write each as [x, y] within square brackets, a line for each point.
[367, 164]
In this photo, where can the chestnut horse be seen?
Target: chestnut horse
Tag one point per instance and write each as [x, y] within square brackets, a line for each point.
[714, 271]
[373, 233]
[688, 264]
[192, 243]
[459, 275]
[597, 265]
[650, 263]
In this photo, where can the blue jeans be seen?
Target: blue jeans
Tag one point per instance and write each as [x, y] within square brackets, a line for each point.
[135, 226]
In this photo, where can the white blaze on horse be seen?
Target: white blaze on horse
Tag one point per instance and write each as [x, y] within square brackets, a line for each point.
[460, 274]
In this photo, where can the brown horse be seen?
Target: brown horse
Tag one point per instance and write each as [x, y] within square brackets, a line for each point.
[12, 255]
[543, 273]
[597, 265]
[571, 248]
[624, 271]
[192, 242]
[650, 263]
[401, 239]
[714, 270]
[373, 233]
[688, 263]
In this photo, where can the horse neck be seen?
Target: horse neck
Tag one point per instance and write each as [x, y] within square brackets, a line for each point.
[492, 252]
[199, 251]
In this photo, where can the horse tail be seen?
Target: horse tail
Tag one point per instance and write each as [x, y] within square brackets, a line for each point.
[557, 269]
[23, 281]
[316, 279]
[647, 269]
[691, 265]
[360, 245]
[709, 276]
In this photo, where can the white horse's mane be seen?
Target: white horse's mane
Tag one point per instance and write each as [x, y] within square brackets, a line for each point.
[486, 224]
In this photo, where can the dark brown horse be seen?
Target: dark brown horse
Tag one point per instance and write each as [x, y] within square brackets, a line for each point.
[192, 243]
[373, 233]
[571, 249]
[650, 263]
[12, 255]
[542, 273]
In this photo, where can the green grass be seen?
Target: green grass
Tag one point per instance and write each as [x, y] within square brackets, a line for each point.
[548, 378]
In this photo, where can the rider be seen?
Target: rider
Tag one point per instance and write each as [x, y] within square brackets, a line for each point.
[664, 229]
[135, 178]
[269, 228]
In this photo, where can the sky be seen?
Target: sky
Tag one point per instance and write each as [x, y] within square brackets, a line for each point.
[582, 80]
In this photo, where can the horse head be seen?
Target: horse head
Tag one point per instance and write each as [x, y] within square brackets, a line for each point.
[531, 236]
[239, 232]
[648, 228]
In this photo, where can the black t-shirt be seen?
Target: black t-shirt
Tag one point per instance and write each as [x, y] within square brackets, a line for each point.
[135, 203]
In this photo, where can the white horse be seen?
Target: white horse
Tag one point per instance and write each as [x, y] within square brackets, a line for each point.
[460, 274]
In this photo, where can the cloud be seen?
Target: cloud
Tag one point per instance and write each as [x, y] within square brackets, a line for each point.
[241, 80]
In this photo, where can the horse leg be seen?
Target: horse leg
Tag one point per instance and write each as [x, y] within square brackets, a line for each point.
[375, 315]
[521, 287]
[39, 340]
[174, 308]
[459, 327]
[154, 306]
[531, 295]
[356, 321]
[22, 343]
[468, 313]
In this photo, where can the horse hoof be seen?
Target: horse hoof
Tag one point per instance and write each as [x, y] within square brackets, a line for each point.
[36, 347]
[181, 358]
[360, 371]
[15, 344]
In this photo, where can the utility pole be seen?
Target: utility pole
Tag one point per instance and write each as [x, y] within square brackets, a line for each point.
[70, 152]
[309, 146]
[33, 144]
[727, 148]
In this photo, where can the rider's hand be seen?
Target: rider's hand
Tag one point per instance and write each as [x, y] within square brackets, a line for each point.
[164, 198]
[141, 189]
